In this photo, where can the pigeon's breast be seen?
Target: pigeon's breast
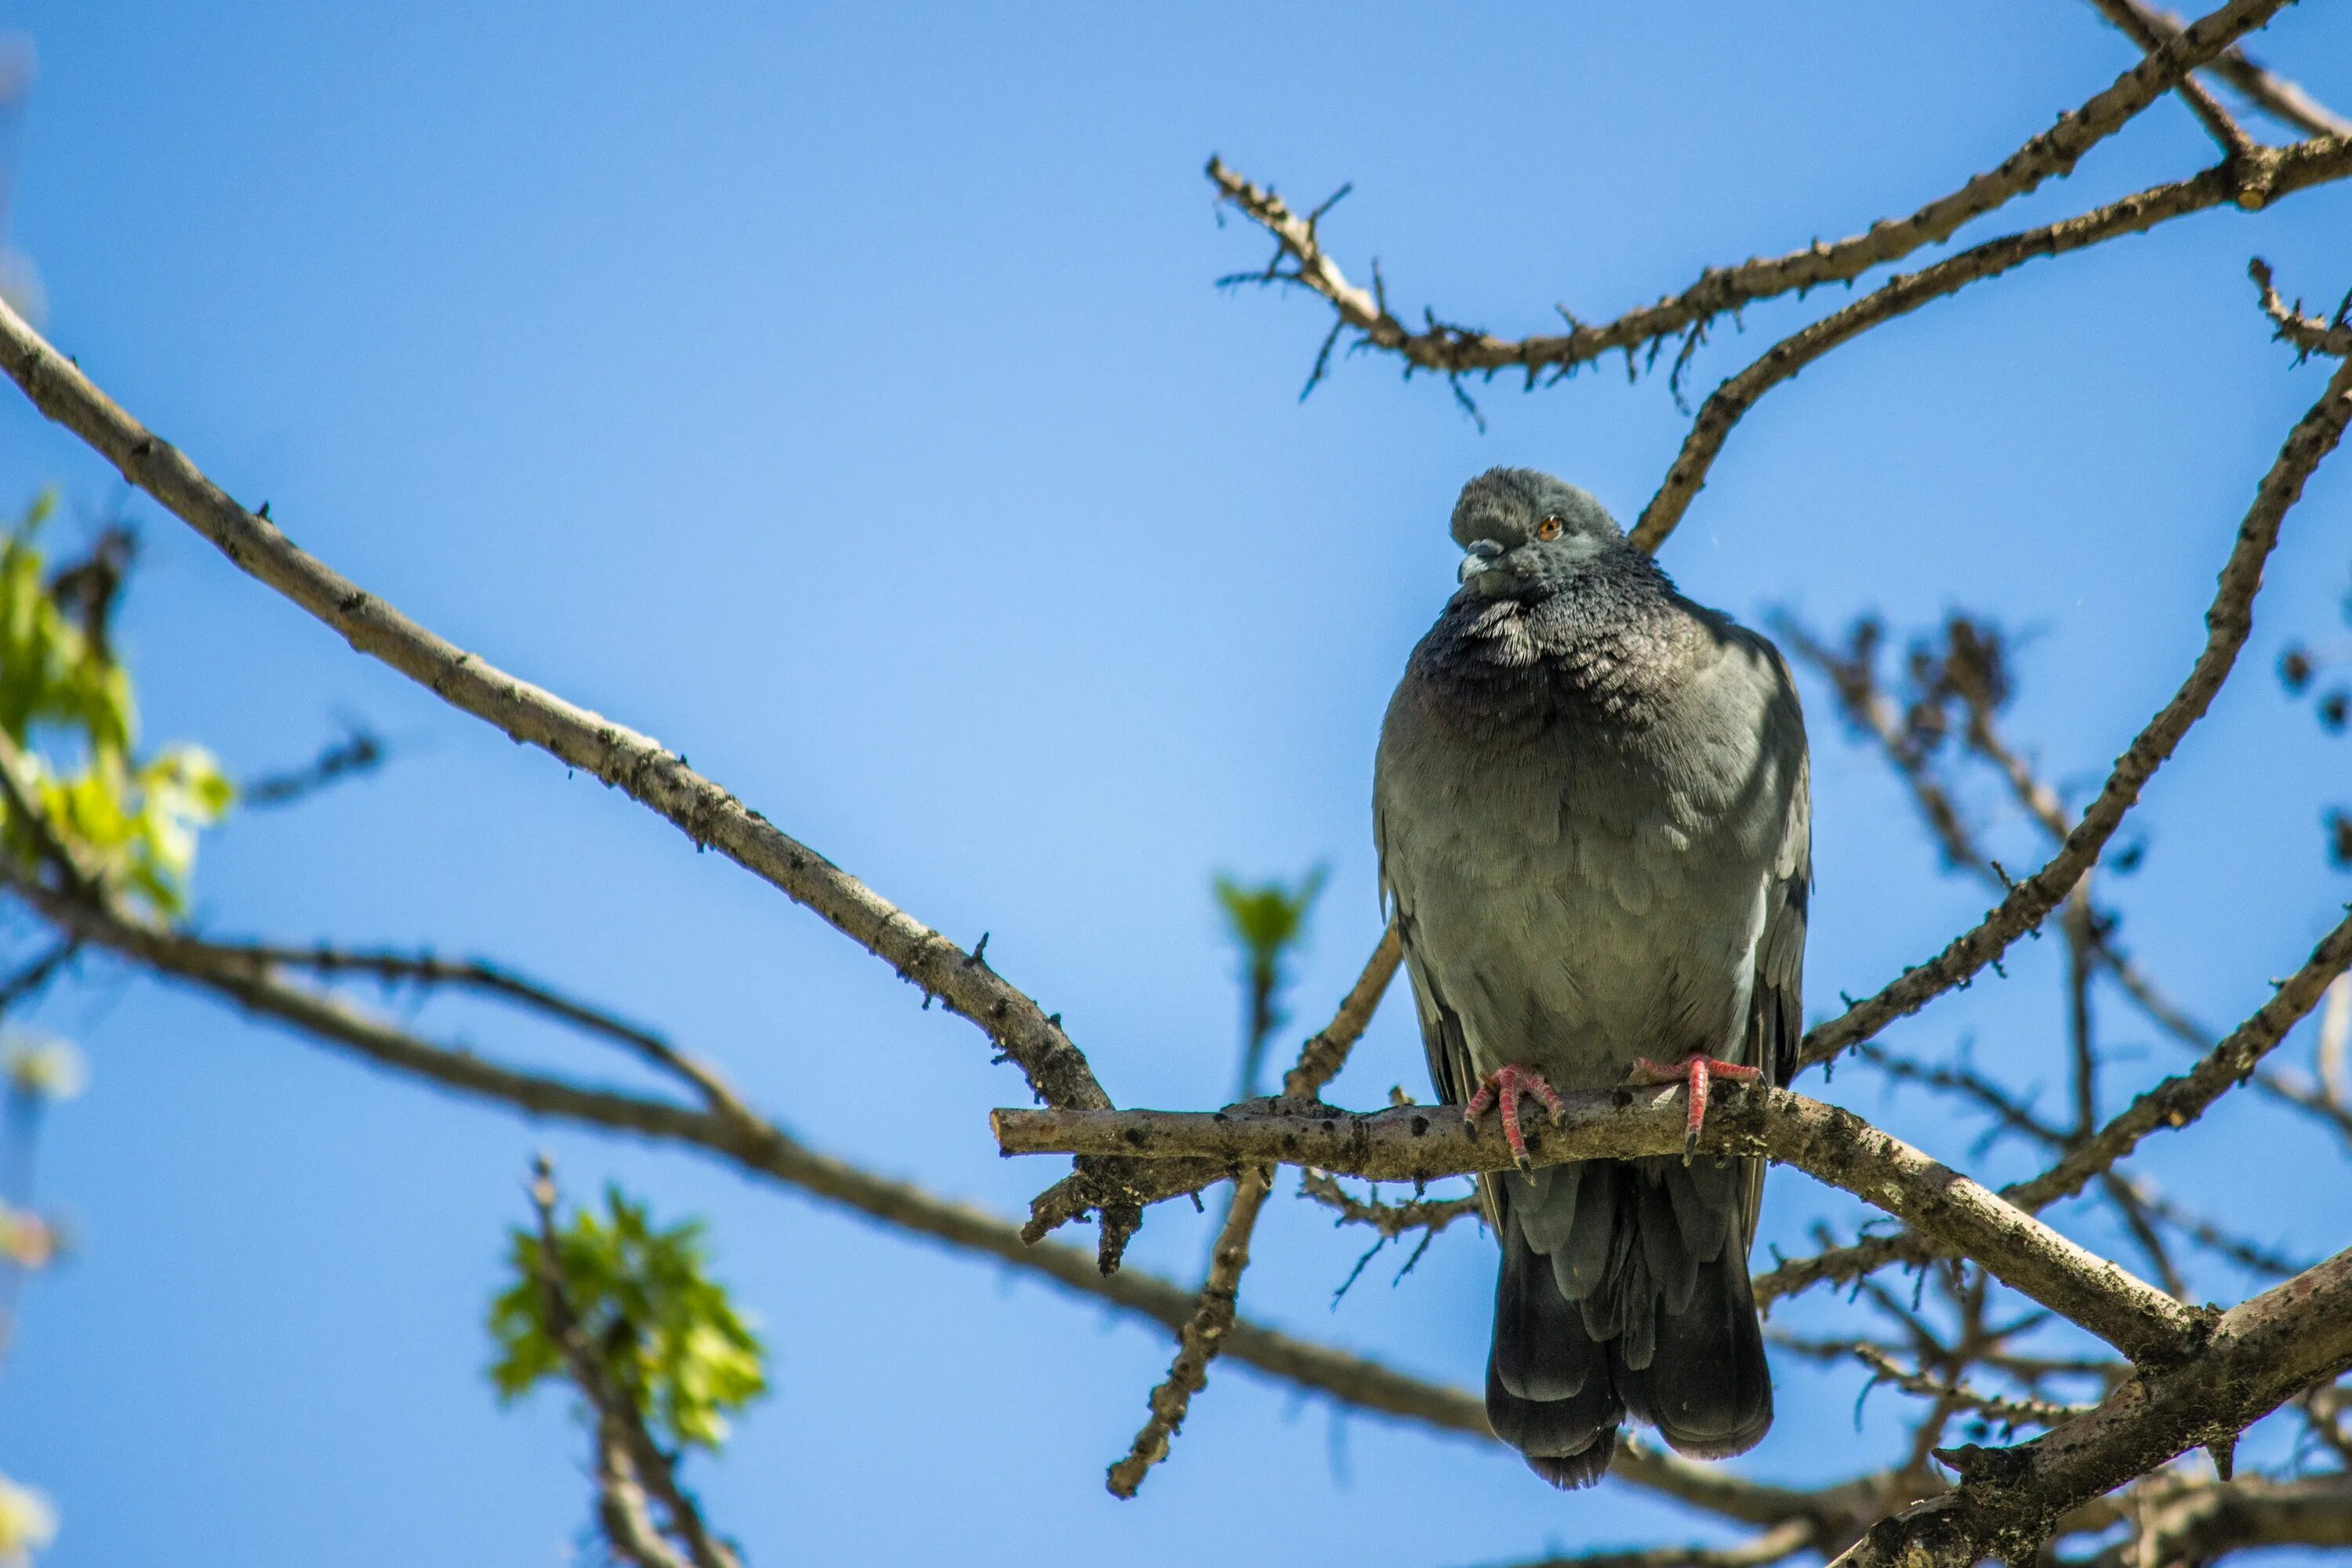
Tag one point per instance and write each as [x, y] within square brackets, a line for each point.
[1580, 892]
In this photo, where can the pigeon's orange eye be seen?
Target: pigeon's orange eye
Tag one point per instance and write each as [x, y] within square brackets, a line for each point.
[1549, 528]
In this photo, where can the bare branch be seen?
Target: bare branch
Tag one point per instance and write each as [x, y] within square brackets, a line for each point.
[1201, 1338]
[646, 771]
[2308, 333]
[762, 1150]
[2178, 1101]
[2275, 95]
[1322, 1057]
[2151, 35]
[2228, 622]
[356, 754]
[1392, 1220]
[495, 980]
[2258, 1355]
[1869, 709]
[1319, 1061]
[1203, 1334]
[2187, 1098]
[1993, 1407]
[1412, 1143]
[2275, 173]
[1451, 349]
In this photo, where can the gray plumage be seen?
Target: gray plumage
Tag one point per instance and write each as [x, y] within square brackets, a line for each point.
[1591, 810]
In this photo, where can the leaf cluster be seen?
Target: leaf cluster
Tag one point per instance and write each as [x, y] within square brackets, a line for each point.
[67, 703]
[667, 1335]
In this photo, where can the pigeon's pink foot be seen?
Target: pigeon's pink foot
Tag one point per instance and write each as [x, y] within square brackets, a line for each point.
[1504, 1086]
[1694, 1072]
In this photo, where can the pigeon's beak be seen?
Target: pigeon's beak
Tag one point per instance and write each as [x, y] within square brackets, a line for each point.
[1482, 555]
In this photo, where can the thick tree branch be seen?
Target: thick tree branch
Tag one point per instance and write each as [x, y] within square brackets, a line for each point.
[1413, 1143]
[646, 771]
[1452, 350]
[1319, 1061]
[760, 1149]
[2258, 1355]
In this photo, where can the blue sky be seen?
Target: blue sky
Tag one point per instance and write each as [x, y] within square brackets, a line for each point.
[840, 395]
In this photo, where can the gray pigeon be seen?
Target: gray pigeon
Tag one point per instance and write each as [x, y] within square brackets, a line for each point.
[1592, 816]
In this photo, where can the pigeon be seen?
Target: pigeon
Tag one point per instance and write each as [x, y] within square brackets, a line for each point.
[1592, 815]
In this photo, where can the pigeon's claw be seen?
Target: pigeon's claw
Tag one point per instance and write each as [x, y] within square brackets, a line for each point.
[1694, 1072]
[1504, 1086]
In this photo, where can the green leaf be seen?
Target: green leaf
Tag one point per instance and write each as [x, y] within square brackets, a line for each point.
[671, 1340]
[1270, 918]
[69, 706]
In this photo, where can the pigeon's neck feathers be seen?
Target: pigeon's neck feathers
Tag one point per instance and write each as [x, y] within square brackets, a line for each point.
[1609, 647]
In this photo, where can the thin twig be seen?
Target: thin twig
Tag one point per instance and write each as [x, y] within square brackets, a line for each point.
[2308, 333]
[1204, 1333]
[628, 1458]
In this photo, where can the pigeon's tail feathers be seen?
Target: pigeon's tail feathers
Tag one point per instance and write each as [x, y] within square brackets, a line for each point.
[1703, 1383]
[1625, 1292]
[1550, 1392]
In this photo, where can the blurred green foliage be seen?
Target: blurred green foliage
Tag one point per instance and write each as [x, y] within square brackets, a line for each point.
[44, 1069]
[665, 1332]
[28, 1523]
[67, 703]
[1267, 922]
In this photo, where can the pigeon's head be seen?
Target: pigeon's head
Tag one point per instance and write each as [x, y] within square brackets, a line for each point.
[1529, 533]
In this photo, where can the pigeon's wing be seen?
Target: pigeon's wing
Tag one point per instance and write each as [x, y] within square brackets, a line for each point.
[1777, 1002]
[1778, 1007]
[1443, 1041]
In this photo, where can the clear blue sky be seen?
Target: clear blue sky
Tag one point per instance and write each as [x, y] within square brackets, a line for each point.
[839, 394]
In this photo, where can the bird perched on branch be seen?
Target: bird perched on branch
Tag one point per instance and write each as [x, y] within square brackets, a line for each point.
[1592, 816]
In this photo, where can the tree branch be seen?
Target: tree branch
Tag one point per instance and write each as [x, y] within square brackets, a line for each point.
[2308, 333]
[2228, 622]
[1452, 350]
[2150, 36]
[641, 767]
[2258, 1355]
[1204, 1332]
[760, 1149]
[494, 980]
[2275, 95]
[629, 1462]
[2254, 182]
[1413, 1143]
